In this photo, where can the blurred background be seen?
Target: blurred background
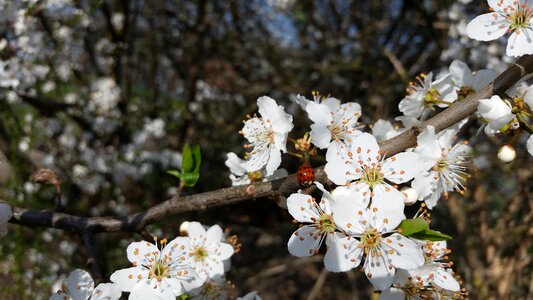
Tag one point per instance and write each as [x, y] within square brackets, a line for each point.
[107, 93]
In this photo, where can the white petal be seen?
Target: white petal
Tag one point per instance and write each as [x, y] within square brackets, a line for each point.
[407, 254]
[445, 280]
[343, 254]
[301, 207]
[337, 149]
[274, 161]
[402, 167]
[387, 209]
[126, 279]
[258, 158]
[346, 204]
[482, 78]
[520, 43]
[320, 114]
[332, 103]
[320, 135]
[486, 27]
[179, 247]
[529, 145]
[140, 252]
[424, 184]
[274, 114]
[214, 234]
[225, 251]
[235, 164]
[461, 73]
[412, 105]
[253, 130]
[196, 231]
[80, 284]
[366, 148]
[305, 241]
[106, 291]
[340, 172]
[428, 146]
[149, 289]
[379, 270]
[493, 108]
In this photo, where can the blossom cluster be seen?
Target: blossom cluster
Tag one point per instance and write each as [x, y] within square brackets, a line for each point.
[192, 265]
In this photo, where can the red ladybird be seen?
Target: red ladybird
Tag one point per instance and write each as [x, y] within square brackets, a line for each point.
[305, 174]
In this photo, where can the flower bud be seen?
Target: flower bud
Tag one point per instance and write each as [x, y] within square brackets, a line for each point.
[506, 153]
[184, 228]
[411, 195]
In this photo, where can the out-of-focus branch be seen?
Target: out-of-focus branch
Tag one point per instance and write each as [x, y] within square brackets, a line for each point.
[277, 188]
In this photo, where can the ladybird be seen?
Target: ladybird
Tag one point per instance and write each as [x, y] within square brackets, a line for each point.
[305, 174]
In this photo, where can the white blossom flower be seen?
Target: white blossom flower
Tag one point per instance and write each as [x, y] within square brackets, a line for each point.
[444, 165]
[335, 125]
[406, 286]
[158, 274]
[267, 135]
[240, 176]
[214, 288]
[369, 172]
[383, 130]
[208, 252]
[436, 271]
[372, 238]
[427, 94]
[80, 286]
[497, 113]
[318, 222]
[5, 214]
[467, 81]
[506, 16]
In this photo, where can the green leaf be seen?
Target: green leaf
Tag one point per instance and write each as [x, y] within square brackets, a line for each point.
[174, 173]
[187, 160]
[431, 235]
[191, 159]
[190, 179]
[411, 226]
[183, 297]
[197, 156]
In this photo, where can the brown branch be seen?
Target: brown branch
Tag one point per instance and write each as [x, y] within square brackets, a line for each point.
[277, 188]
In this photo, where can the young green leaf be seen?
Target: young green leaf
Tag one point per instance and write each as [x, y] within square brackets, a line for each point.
[431, 235]
[190, 179]
[187, 160]
[409, 227]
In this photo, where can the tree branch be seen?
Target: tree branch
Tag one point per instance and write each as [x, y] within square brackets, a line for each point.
[277, 188]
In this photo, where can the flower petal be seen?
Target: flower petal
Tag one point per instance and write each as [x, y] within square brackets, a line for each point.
[80, 284]
[402, 167]
[341, 171]
[529, 145]
[274, 161]
[320, 135]
[387, 209]
[406, 254]
[301, 207]
[140, 252]
[379, 270]
[214, 234]
[487, 27]
[106, 291]
[346, 204]
[482, 78]
[520, 42]
[126, 279]
[305, 241]
[320, 114]
[225, 251]
[392, 293]
[461, 73]
[149, 289]
[343, 254]
[196, 231]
